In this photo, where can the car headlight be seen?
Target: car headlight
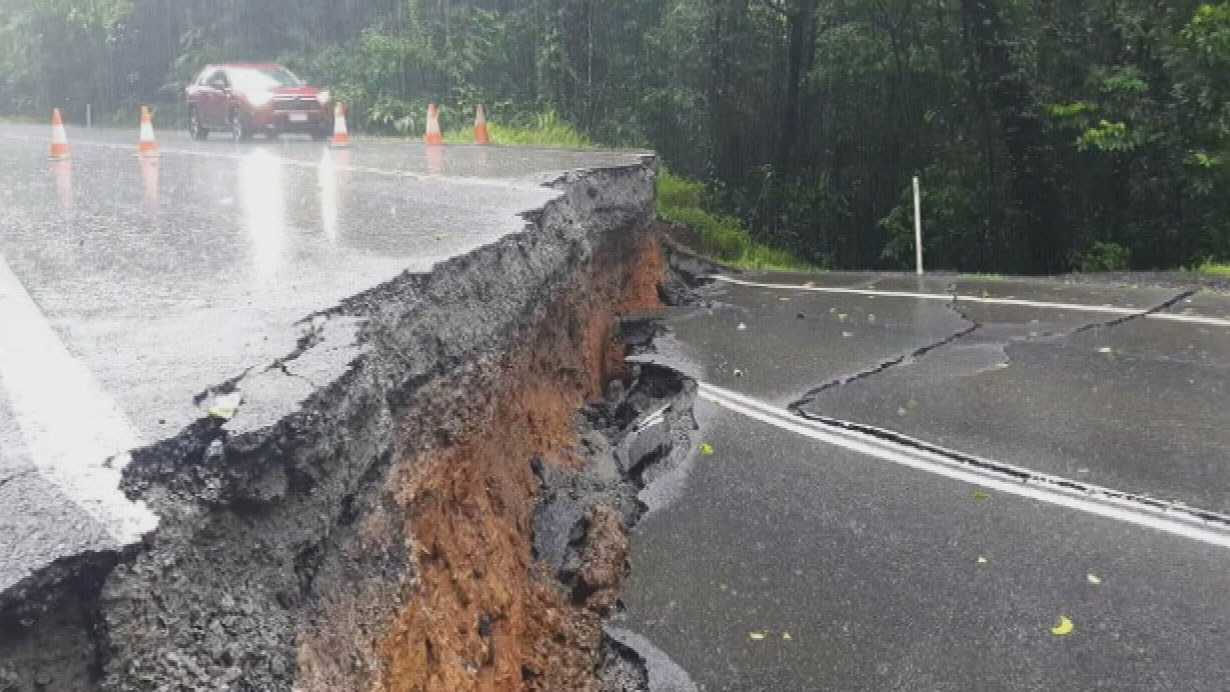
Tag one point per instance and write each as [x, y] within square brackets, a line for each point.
[259, 98]
[323, 96]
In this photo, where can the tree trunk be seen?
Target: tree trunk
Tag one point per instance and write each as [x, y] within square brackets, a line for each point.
[1024, 135]
[799, 57]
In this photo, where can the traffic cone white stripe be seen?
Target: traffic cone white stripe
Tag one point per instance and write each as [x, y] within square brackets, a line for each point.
[480, 126]
[341, 138]
[59, 138]
[433, 136]
[146, 146]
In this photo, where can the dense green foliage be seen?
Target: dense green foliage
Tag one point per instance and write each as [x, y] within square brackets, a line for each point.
[1049, 134]
[719, 236]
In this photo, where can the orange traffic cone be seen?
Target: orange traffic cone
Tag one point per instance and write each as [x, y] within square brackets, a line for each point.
[341, 137]
[433, 138]
[59, 139]
[480, 126]
[147, 146]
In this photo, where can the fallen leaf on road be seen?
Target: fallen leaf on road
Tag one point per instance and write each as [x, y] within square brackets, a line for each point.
[756, 635]
[1106, 349]
[1064, 627]
[847, 334]
[706, 449]
[982, 495]
[741, 327]
[226, 406]
[841, 317]
[1093, 579]
[786, 636]
[784, 299]
[982, 560]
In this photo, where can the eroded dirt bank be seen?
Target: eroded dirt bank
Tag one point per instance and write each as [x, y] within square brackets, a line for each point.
[448, 514]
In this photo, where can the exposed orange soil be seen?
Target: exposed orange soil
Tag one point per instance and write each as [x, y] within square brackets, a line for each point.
[482, 615]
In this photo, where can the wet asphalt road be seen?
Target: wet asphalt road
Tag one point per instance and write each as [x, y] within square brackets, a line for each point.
[128, 286]
[896, 577]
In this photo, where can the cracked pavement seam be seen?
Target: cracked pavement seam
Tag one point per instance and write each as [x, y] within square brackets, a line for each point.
[798, 405]
[1025, 475]
[1111, 324]
[955, 306]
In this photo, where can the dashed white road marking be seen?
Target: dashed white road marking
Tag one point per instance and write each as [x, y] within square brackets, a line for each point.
[76, 435]
[946, 297]
[1195, 524]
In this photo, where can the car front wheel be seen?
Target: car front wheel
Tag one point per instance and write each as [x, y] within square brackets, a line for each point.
[195, 128]
[240, 130]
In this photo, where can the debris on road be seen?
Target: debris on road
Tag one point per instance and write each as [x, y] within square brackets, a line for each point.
[982, 495]
[1064, 627]
[1093, 579]
[706, 449]
[226, 406]
[756, 636]
[982, 561]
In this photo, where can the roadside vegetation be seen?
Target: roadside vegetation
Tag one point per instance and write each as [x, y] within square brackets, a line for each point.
[719, 236]
[544, 130]
[1085, 135]
[1219, 269]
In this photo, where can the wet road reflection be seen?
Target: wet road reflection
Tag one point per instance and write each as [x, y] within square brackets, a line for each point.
[149, 182]
[332, 174]
[62, 171]
[263, 207]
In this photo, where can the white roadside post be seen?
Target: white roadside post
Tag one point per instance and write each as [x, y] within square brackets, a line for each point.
[918, 226]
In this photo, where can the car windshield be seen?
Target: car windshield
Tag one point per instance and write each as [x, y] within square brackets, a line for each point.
[264, 78]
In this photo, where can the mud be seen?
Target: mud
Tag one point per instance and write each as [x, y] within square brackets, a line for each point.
[438, 516]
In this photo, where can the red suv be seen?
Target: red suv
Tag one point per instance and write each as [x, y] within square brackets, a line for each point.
[249, 99]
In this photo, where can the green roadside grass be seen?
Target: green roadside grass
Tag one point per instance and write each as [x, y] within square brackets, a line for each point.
[1218, 269]
[721, 237]
[546, 131]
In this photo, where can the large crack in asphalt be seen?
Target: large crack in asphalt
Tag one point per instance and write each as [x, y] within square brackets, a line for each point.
[312, 551]
[799, 405]
[811, 395]
[1116, 322]
[997, 468]
[1024, 475]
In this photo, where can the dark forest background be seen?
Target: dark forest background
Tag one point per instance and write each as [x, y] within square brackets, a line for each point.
[1049, 134]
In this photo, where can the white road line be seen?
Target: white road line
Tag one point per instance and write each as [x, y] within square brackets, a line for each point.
[70, 426]
[1074, 307]
[1180, 521]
